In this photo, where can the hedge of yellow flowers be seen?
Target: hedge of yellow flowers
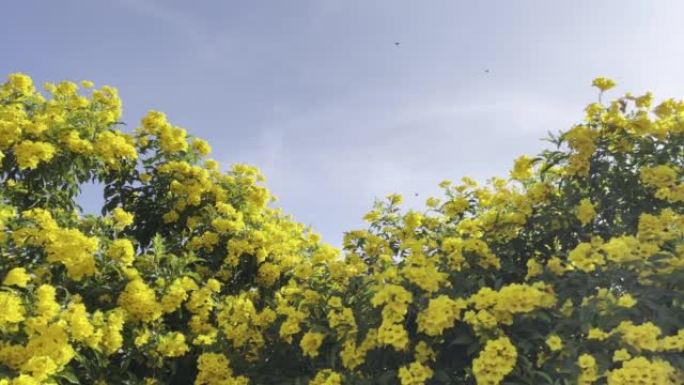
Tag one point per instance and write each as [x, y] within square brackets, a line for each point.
[570, 270]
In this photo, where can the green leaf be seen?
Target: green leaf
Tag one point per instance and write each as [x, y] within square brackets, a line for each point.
[69, 376]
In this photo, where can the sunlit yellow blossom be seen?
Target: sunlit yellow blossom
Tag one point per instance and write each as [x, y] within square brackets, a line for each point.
[603, 84]
[310, 343]
[172, 345]
[626, 300]
[522, 169]
[17, 277]
[588, 369]
[19, 82]
[641, 371]
[30, 154]
[585, 258]
[140, 301]
[201, 146]
[214, 369]
[597, 334]
[121, 250]
[495, 361]
[585, 212]
[642, 337]
[440, 314]
[554, 343]
[122, 219]
[196, 276]
[326, 377]
[414, 374]
[13, 310]
[621, 355]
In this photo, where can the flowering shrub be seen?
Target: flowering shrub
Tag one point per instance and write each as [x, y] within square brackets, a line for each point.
[569, 271]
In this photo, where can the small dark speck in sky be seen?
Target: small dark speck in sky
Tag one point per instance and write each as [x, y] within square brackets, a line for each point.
[396, 43]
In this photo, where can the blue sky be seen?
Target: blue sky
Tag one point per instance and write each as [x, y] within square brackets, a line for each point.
[318, 95]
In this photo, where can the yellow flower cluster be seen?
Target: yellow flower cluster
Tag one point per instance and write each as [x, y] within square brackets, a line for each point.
[641, 371]
[495, 361]
[440, 314]
[522, 169]
[603, 84]
[570, 265]
[414, 374]
[122, 219]
[17, 277]
[664, 179]
[242, 324]
[172, 139]
[122, 250]
[395, 300]
[112, 147]
[310, 343]
[67, 246]
[140, 301]
[589, 371]
[585, 211]
[501, 306]
[30, 154]
[326, 377]
[214, 369]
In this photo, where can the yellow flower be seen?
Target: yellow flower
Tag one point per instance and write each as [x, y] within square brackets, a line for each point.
[201, 146]
[554, 343]
[585, 258]
[659, 176]
[423, 352]
[122, 250]
[17, 277]
[113, 147]
[626, 300]
[640, 370]
[20, 83]
[170, 216]
[585, 211]
[140, 301]
[29, 153]
[414, 374]
[641, 337]
[597, 334]
[440, 314]
[25, 379]
[40, 367]
[395, 199]
[122, 219]
[495, 361]
[522, 170]
[172, 345]
[588, 369]
[310, 343]
[603, 84]
[326, 377]
[12, 310]
[621, 355]
[534, 268]
[211, 164]
[214, 369]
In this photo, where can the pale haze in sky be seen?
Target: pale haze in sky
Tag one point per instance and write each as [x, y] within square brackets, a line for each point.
[320, 97]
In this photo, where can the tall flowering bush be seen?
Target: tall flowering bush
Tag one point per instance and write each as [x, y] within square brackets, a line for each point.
[570, 270]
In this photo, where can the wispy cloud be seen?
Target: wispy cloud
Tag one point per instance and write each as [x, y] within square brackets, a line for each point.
[206, 45]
